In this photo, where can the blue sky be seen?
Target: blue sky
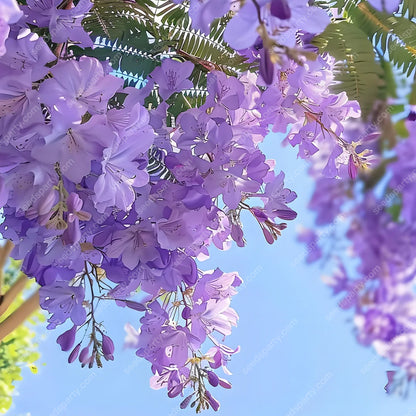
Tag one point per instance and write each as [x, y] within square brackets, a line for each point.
[298, 353]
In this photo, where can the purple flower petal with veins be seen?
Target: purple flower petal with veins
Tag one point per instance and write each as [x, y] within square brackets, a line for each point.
[172, 76]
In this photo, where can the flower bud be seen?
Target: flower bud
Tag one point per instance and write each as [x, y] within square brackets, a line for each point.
[74, 353]
[213, 402]
[135, 305]
[67, 339]
[84, 355]
[108, 347]
[175, 390]
[213, 379]
[186, 401]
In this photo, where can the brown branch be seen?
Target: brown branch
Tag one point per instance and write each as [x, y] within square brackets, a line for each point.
[4, 255]
[19, 315]
[11, 294]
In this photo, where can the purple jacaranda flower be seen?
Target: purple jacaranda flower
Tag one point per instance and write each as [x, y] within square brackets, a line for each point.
[352, 167]
[220, 355]
[14, 91]
[277, 110]
[168, 348]
[30, 52]
[67, 24]
[121, 173]
[45, 275]
[72, 234]
[173, 378]
[172, 76]
[270, 229]
[42, 208]
[327, 199]
[241, 31]
[280, 9]
[223, 90]
[216, 285]
[201, 133]
[183, 229]
[134, 244]
[64, 24]
[9, 13]
[159, 343]
[311, 241]
[225, 384]
[338, 108]
[122, 167]
[203, 12]
[230, 184]
[132, 120]
[278, 197]
[181, 268]
[54, 252]
[377, 325]
[76, 147]
[389, 6]
[78, 87]
[283, 20]
[63, 302]
[21, 120]
[212, 315]
[67, 339]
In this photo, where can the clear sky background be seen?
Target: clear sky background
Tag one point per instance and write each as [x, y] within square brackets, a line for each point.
[298, 352]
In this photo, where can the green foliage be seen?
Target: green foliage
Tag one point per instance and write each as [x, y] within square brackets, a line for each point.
[409, 8]
[327, 4]
[412, 96]
[146, 31]
[354, 39]
[394, 35]
[17, 350]
[358, 72]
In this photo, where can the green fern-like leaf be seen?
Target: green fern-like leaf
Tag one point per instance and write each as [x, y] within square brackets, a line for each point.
[327, 4]
[134, 37]
[357, 71]
[395, 35]
[409, 8]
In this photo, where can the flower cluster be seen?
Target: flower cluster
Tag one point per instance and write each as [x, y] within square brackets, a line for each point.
[108, 198]
[271, 28]
[102, 198]
[382, 237]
